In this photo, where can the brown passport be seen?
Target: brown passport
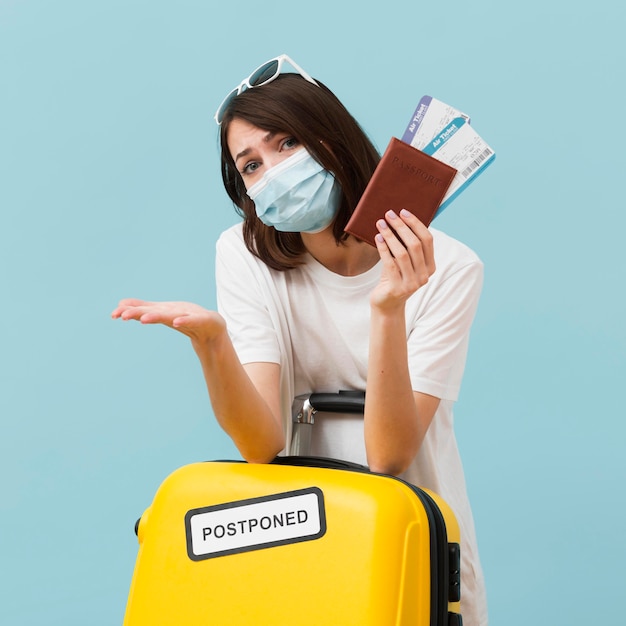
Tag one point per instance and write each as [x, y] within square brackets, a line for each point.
[405, 178]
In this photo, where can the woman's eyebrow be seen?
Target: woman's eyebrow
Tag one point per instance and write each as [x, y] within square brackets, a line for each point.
[242, 154]
[246, 151]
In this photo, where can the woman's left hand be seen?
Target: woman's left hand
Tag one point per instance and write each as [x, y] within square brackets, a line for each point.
[406, 249]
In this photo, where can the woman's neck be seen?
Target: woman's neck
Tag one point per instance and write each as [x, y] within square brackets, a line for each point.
[350, 258]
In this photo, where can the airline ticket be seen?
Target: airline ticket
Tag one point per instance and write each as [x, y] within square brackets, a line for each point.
[431, 115]
[461, 147]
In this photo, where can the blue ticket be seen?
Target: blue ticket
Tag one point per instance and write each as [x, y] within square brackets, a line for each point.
[460, 146]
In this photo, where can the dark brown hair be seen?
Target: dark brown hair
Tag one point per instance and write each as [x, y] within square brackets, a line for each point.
[315, 117]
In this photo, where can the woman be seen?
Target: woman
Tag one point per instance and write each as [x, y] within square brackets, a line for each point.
[304, 307]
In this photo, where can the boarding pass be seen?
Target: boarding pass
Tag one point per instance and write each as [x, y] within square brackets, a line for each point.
[446, 134]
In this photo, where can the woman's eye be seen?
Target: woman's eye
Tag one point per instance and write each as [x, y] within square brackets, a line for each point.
[290, 142]
[250, 168]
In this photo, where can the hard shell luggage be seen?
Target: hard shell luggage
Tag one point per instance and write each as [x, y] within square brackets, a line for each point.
[303, 540]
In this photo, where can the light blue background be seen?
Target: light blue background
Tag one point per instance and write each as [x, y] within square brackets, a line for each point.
[110, 188]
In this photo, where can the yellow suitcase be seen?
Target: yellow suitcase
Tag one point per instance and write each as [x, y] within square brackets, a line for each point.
[301, 541]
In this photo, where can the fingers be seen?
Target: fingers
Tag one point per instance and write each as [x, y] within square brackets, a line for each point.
[179, 315]
[192, 320]
[125, 305]
[407, 240]
[406, 250]
[416, 237]
[142, 311]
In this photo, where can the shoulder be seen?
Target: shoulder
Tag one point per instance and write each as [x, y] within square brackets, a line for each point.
[451, 249]
[231, 248]
[235, 262]
[231, 237]
[452, 255]
[232, 257]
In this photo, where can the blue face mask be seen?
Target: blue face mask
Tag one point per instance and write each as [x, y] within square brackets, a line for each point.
[297, 196]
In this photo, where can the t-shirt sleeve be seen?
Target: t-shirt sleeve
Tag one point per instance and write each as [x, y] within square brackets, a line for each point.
[244, 300]
[439, 334]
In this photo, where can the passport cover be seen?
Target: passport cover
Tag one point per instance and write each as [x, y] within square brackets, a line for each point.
[405, 178]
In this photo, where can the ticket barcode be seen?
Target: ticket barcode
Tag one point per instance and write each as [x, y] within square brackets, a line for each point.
[476, 162]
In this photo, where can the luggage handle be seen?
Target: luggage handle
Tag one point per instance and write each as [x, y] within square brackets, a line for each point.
[306, 406]
[342, 402]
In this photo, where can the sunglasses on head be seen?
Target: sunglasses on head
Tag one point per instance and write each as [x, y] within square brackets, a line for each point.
[263, 74]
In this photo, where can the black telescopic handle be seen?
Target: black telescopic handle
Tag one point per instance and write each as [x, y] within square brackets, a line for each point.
[340, 402]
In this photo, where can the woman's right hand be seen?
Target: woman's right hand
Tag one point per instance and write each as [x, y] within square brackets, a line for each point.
[198, 323]
[245, 400]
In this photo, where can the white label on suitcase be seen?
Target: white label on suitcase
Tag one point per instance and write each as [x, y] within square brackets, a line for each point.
[255, 524]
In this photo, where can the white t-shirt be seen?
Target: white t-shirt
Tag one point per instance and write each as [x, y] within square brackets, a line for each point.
[315, 324]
